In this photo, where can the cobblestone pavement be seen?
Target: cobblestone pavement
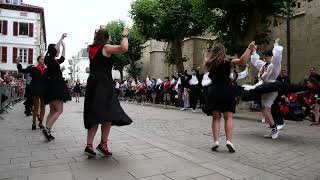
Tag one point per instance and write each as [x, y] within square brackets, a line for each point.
[161, 144]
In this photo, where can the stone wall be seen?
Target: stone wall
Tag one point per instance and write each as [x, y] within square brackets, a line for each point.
[305, 42]
[154, 57]
[305, 39]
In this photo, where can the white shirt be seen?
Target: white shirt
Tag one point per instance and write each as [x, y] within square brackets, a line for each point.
[194, 80]
[273, 69]
[206, 81]
[243, 74]
[117, 85]
[179, 81]
[173, 81]
[148, 82]
[159, 81]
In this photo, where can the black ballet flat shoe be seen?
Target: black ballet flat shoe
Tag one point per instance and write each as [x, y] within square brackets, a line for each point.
[103, 151]
[40, 125]
[46, 135]
[34, 127]
[89, 152]
[52, 138]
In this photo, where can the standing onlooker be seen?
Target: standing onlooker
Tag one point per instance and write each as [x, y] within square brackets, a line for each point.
[166, 92]
[283, 77]
[181, 85]
[186, 99]
[153, 90]
[117, 86]
[195, 88]
[77, 90]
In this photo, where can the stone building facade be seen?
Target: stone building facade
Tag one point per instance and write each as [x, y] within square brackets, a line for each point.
[153, 59]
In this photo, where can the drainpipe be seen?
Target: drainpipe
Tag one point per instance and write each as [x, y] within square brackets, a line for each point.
[288, 47]
[288, 41]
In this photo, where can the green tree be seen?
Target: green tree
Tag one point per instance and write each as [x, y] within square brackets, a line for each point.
[237, 23]
[134, 69]
[115, 31]
[135, 45]
[171, 21]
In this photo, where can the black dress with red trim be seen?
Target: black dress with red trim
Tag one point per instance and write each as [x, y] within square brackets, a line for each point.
[38, 82]
[101, 104]
[55, 83]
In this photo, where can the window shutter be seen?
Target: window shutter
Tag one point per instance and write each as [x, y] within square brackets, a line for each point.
[15, 28]
[14, 54]
[5, 27]
[30, 56]
[4, 55]
[30, 29]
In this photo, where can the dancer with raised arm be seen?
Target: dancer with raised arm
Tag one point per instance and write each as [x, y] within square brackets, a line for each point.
[269, 69]
[57, 91]
[101, 105]
[220, 96]
[37, 84]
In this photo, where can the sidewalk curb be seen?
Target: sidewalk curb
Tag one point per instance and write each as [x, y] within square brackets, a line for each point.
[241, 115]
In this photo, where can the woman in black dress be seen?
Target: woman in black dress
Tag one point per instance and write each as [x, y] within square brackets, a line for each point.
[221, 93]
[101, 105]
[57, 91]
[77, 90]
[38, 74]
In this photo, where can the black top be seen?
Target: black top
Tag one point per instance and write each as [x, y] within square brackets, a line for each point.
[98, 62]
[77, 85]
[53, 67]
[284, 79]
[38, 77]
[220, 76]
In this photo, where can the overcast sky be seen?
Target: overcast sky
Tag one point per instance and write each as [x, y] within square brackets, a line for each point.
[79, 19]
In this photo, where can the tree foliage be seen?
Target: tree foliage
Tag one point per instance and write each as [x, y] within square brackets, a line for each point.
[134, 69]
[236, 23]
[171, 21]
[135, 45]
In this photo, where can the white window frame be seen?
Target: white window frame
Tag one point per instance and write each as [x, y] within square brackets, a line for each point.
[16, 2]
[1, 27]
[0, 54]
[23, 56]
[27, 29]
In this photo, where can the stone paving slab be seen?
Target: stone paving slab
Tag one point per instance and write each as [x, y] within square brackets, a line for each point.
[161, 144]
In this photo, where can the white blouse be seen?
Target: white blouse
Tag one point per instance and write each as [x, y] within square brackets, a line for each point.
[206, 81]
[273, 69]
[194, 80]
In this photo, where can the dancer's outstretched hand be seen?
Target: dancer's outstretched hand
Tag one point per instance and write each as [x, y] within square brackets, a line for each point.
[64, 35]
[125, 31]
[252, 45]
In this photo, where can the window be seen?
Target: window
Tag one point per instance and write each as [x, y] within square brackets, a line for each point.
[1, 26]
[8, 1]
[23, 55]
[3, 54]
[23, 29]
[16, 2]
